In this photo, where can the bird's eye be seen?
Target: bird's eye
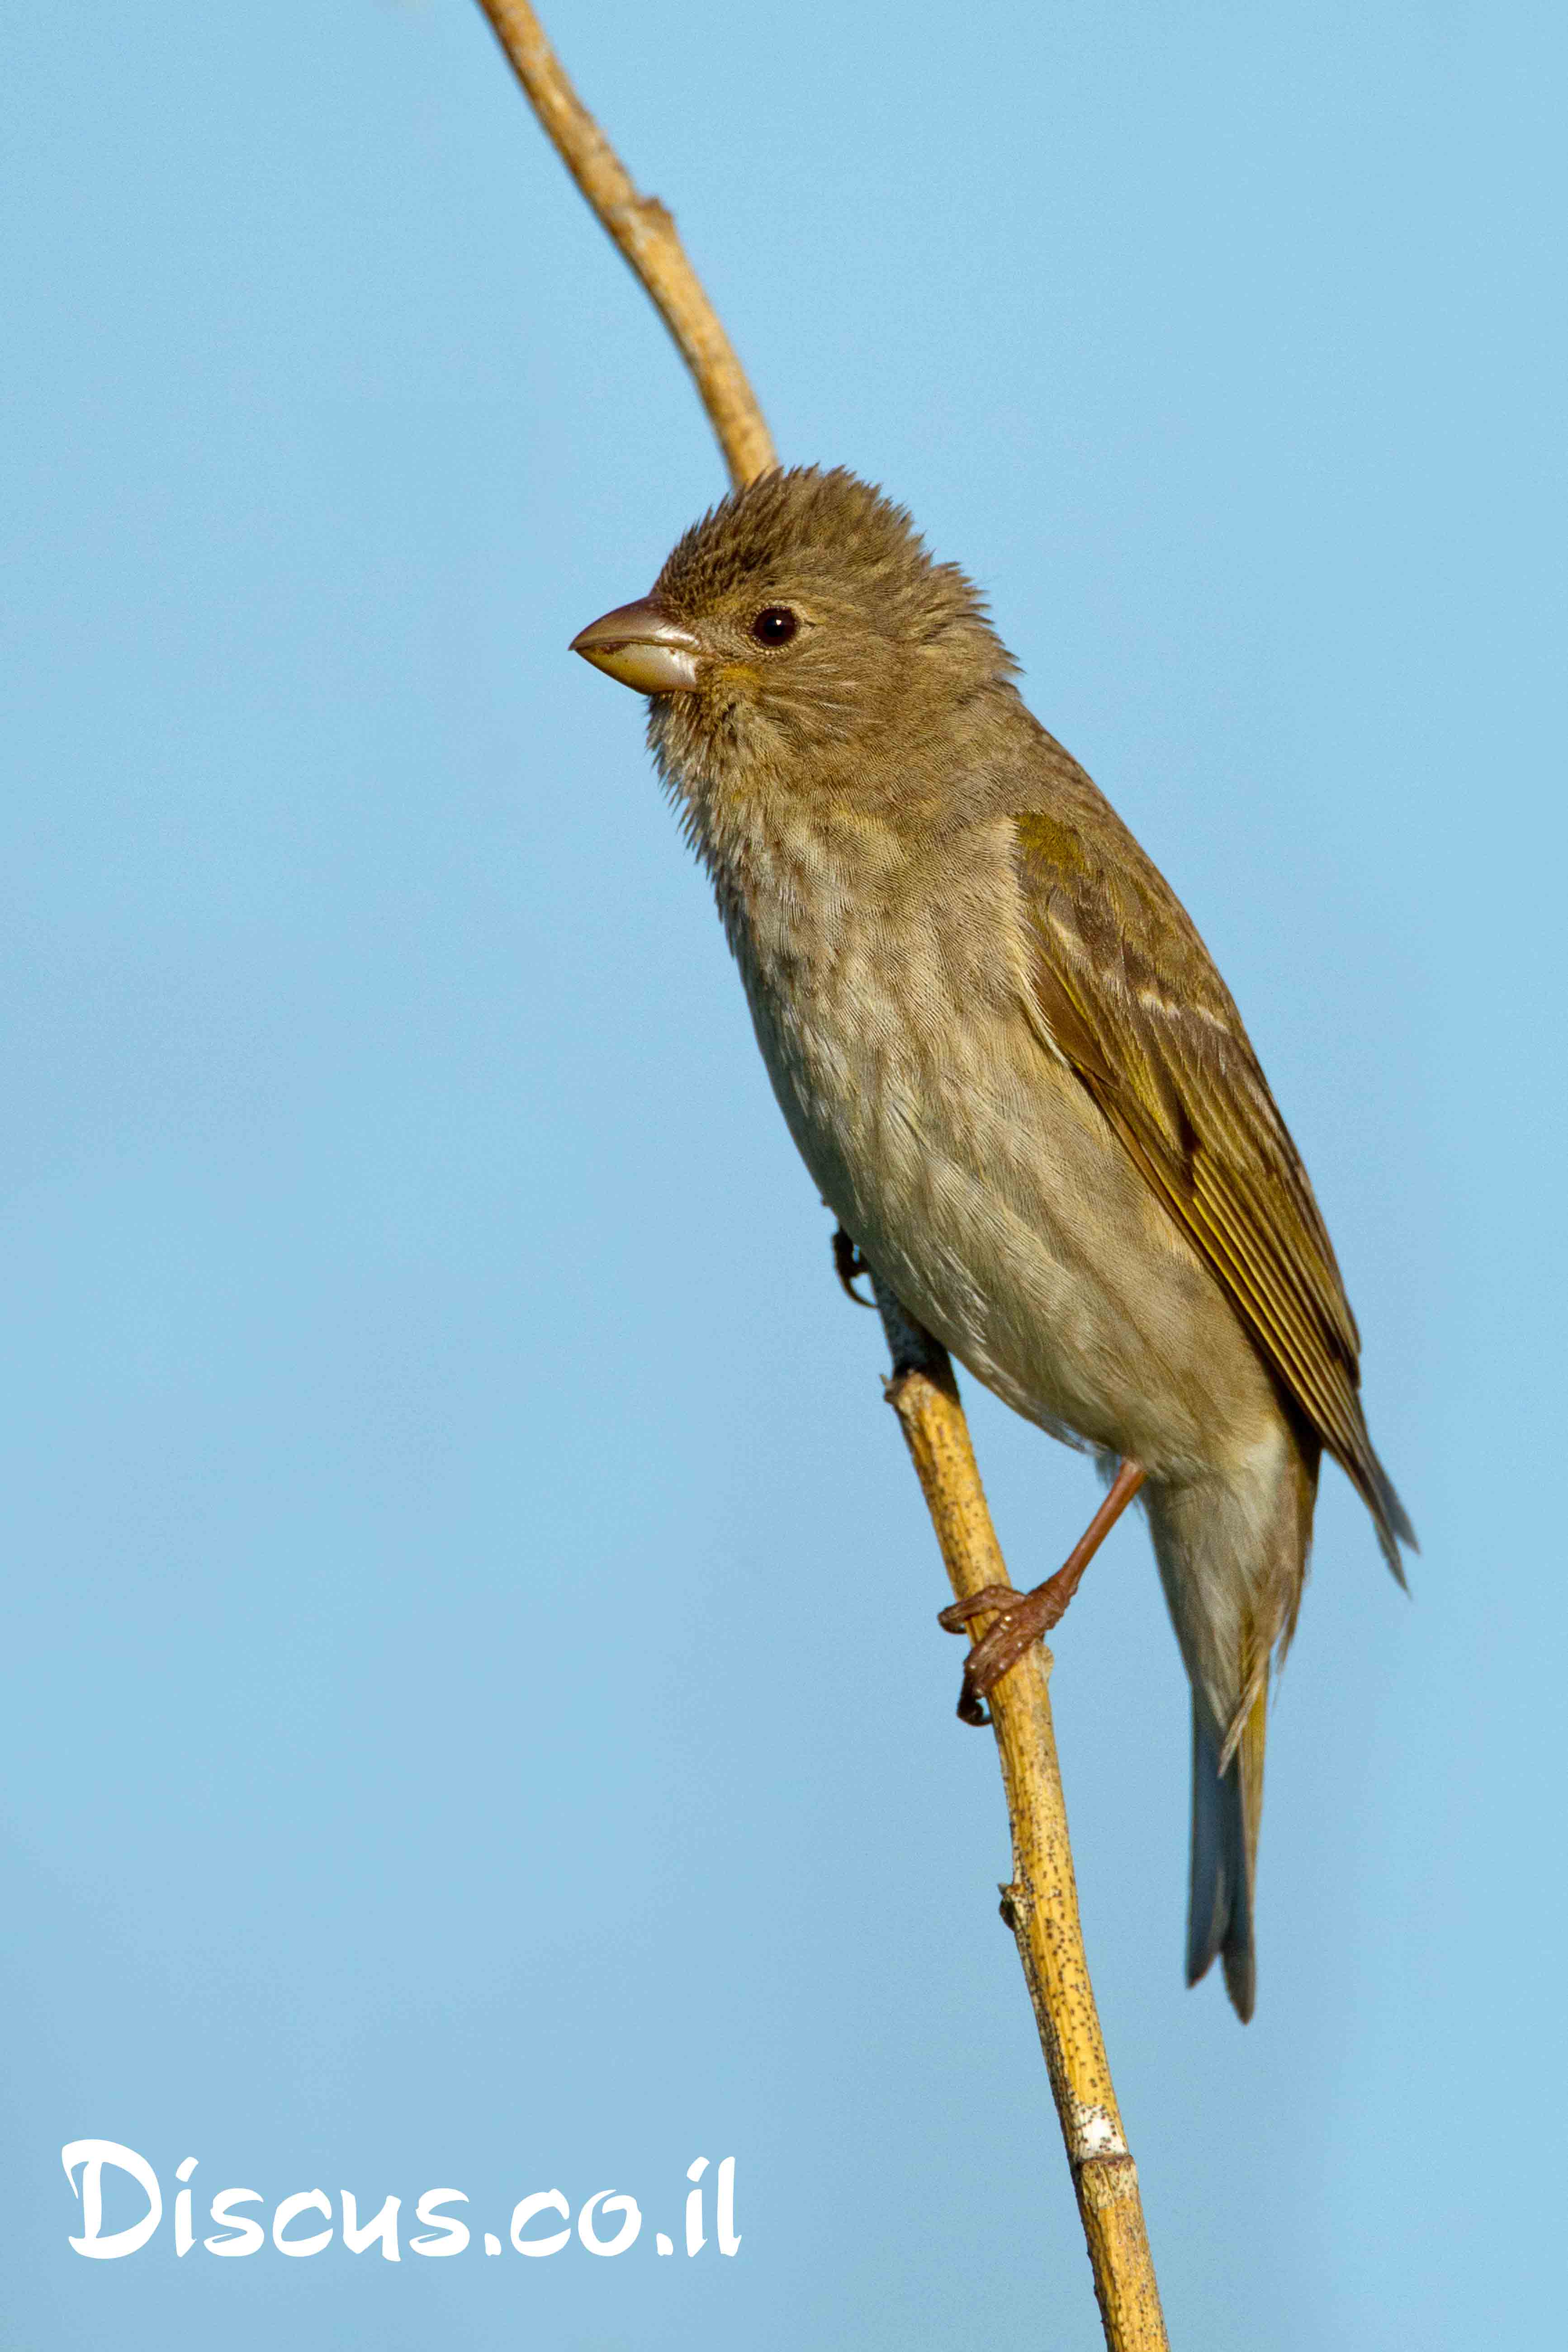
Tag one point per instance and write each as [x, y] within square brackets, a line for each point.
[776, 624]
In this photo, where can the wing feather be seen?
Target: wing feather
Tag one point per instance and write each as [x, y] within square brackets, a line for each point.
[1126, 991]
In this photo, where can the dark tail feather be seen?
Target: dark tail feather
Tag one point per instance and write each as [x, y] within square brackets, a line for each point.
[1227, 1808]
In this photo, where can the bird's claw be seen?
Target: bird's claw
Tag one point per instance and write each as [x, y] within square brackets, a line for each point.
[955, 1617]
[1022, 1619]
[849, 1266]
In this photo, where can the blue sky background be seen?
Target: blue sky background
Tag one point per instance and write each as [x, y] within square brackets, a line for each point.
[433, 1749]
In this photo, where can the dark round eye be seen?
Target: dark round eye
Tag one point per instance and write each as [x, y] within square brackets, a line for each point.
[776, 624]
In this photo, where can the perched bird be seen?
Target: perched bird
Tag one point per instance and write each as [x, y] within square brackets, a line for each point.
[1016, 1078]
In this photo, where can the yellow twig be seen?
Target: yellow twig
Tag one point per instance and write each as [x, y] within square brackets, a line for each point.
[1041, 1902]
[646, 234]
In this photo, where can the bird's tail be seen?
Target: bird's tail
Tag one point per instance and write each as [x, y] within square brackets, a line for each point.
[1228, 1804]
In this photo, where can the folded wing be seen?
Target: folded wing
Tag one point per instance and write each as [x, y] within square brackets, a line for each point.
[1123, 987]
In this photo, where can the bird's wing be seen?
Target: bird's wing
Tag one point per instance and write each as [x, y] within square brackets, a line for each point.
[1125, 990]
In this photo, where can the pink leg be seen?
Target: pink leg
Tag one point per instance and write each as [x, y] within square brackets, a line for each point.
[1025, 1617]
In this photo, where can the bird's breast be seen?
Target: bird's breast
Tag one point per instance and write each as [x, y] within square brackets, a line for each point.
[969, 1162]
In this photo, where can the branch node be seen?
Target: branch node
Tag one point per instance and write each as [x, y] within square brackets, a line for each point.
[1105, 2180]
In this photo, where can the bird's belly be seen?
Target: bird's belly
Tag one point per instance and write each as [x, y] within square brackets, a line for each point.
[999, 1206]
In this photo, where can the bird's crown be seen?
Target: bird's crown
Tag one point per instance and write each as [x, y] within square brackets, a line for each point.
[823, 530]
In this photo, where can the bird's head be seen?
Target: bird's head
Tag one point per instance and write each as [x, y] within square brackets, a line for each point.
[797, 631]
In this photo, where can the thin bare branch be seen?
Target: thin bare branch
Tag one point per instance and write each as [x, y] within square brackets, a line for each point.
[1041, 1902]
[646, 234]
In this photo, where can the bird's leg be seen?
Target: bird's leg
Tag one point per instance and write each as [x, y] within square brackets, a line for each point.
[848, 1265]
[1025, 1617]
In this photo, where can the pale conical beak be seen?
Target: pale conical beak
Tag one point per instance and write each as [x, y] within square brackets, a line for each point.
[642, 647]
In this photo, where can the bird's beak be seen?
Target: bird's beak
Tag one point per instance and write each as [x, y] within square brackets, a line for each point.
[643, 646]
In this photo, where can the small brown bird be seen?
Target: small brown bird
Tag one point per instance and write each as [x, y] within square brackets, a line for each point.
[1016, 1078]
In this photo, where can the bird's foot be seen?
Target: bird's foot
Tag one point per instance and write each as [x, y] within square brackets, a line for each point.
[1022, 1617]
[1025, 1617]
[849, 1266]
